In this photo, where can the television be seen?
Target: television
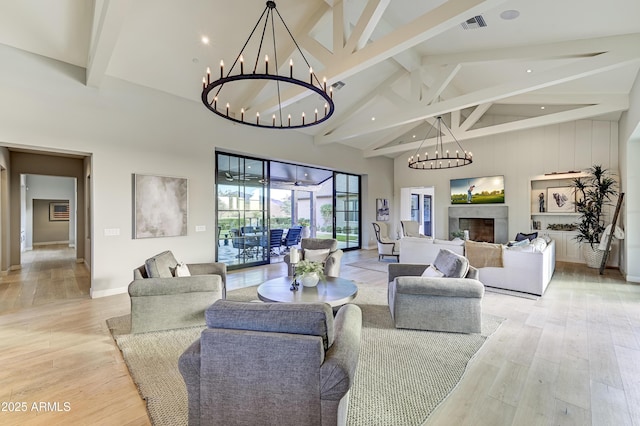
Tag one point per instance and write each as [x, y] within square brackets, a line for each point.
[481, 190]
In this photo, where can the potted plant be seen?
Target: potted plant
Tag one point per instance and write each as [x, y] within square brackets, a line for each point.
[593, 192]
[309, 272]
[306, 227]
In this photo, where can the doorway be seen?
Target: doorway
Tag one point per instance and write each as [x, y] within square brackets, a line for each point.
[417, 203]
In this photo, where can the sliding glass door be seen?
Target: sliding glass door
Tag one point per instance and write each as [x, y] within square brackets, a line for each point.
[346, 209]
[242, 210]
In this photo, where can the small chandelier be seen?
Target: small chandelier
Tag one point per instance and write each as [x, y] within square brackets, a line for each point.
[214, 98]
[441, 159]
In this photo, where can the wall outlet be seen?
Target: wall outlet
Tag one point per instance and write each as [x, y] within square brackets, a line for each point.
[201, 228]
[111, 232]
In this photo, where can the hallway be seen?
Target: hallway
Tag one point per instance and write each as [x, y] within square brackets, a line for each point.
[49, 274]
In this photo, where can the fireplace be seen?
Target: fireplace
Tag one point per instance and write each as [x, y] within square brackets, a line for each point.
[480, 229]
[499, 215]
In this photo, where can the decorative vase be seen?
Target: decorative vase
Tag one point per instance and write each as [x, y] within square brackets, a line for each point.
[592, 255]
[306, 232]
[310, 279]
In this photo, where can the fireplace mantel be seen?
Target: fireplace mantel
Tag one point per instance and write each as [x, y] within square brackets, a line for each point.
[499, 214]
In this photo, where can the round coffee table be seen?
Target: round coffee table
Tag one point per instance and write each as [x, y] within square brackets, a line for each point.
[332, 290]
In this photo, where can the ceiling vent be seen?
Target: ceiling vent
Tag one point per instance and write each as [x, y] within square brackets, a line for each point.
[338, 85]
[473, 23]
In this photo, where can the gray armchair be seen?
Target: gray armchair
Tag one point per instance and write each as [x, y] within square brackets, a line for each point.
[331, 260]
[447, 303]
[272, 364]
[161, 301]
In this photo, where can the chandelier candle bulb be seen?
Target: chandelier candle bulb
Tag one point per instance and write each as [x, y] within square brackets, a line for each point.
[274, 120]
[208, 76]
[289, 119]
[215, 103]
[290, 68]
[241, 114]
[227, 108]
[316, 114]
[331, 92]
[241, 65]
[266, 64]
[311, 75]
[303, 118]
[204, 83]
[325, 109]
[257, 118]
[324, 82]
[221, 68]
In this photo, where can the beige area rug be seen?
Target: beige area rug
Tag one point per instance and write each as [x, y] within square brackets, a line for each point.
[401, 378]
[374, 264]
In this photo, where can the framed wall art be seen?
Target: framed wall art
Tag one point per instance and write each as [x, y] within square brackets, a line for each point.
[382, 209]
[160, 206]
[59, 211]
[561, 200]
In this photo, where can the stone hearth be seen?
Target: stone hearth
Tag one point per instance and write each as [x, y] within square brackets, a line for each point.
[499, 214]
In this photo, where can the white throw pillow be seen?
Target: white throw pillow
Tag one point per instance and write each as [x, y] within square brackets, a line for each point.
[431, 271]
[539, 244]
[319, 255]
[182, 270]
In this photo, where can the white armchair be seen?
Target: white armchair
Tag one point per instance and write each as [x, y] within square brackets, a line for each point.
[386, 246]
[411, 228]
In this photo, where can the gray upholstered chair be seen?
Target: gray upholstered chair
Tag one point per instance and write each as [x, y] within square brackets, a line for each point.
[386, 245]
[272, 364]
[411, 228]
[436, 303]
[162, 301]
[331, 259]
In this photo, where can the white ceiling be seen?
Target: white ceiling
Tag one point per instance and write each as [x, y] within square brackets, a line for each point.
[402, 61]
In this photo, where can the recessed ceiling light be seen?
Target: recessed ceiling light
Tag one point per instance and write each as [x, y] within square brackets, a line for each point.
[205, 40]
[541, 107]
[373, 119]
[414, 136]
[509, 14]
[529, 71]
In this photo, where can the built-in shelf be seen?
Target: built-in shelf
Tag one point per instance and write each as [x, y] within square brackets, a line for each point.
[555, 214]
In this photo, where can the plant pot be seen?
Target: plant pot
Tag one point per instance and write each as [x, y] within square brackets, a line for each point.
[310, 279]
[593, 256]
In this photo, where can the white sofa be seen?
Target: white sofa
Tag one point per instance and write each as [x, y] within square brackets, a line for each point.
[423, 251]
[523, 271]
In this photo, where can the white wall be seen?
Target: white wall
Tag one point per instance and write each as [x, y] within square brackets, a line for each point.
[630, 173]
[518, 156]
[130, 129]
[38, 187]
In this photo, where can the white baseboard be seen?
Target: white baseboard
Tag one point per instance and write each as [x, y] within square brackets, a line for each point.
[632, 279]
[110, 292]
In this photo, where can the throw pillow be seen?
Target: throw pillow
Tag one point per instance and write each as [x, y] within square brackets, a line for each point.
[319, 255]
[539, 244]
[451, 264]
[431, 272]
[529, 237]
[521, 243]
[182, 270]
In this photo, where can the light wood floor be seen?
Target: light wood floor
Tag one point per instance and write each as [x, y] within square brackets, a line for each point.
[571, 357]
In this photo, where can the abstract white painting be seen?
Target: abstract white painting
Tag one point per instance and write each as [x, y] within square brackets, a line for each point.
[160, 206]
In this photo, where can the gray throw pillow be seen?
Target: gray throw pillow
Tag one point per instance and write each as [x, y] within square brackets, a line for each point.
[451, 264]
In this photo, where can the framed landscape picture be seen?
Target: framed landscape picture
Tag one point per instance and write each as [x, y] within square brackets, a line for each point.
[482, 190]
[561, 200]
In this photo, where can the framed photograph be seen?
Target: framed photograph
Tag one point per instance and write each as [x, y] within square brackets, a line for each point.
[482, 190]
[561, 200]
[160, 206]
[59, 212]
[382, 209]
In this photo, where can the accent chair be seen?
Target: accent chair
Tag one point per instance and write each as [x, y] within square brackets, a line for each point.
[411, 228]
[323, 250]
[162, 301]
[272, 364]
[386, 245]
[424, 301]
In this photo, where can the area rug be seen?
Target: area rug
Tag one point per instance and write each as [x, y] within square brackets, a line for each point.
[373, 265]
[401, 378]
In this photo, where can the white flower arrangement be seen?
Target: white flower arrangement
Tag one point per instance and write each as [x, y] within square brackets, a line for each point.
[308, 266]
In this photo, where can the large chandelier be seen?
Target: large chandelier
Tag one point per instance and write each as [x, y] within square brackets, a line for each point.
[221, 101]
[440, 159]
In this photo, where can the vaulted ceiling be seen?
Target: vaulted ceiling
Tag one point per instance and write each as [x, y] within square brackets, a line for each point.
[402, 62]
